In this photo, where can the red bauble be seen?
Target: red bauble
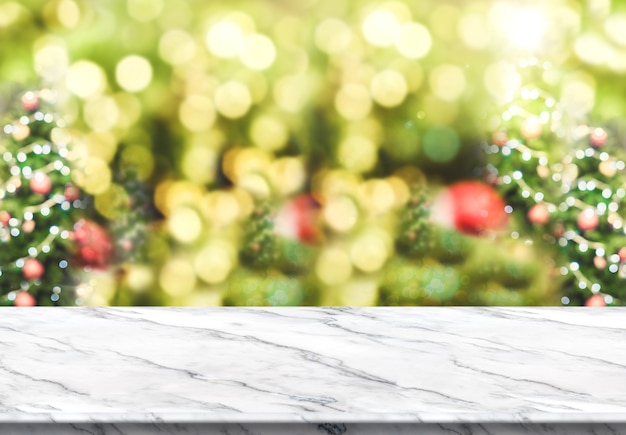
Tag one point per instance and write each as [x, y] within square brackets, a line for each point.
[595, 301]
[94, 243]
[40, 183]
[71, 193]
[500, 138]
[539, 214]
[622, 254]
[598, 137]
[32, 269]
[24, 299]
[588, 219]
[471, 207]
[297, 219]
[28, 226]
[30, 101]
[5, 217]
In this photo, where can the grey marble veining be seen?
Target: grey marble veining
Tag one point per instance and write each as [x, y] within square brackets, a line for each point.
[468, 368]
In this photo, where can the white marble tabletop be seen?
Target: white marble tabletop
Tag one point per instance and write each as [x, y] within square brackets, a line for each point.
[427, 365]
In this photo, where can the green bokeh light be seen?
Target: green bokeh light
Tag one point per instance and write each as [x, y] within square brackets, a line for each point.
[441, 144]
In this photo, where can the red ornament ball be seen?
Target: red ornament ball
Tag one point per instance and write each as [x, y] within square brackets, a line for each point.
[500, 138]
[28, 226]
[5, 217]
[622, 254]
[588, 219]
[24, 299]
[32, 269]
[539, 214]
[595, 301]
[30, 101]
[94, 243]
[71, 192]
[471, 207]
[297, 219]
[40, 183]
[598, 137]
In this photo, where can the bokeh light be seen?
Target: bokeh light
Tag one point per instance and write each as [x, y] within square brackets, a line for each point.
[133, 73]
[441, 144]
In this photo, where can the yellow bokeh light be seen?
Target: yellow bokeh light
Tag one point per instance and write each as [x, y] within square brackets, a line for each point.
[443, 21]
[578, 94]
[359, 293]
[414, 41]
[291, 92]
[85, 79]
[225, 39]
[213, 263]
[144, 10]
[93, 175]
[197, 113]
[617, 62]
[102, 145]
[139, 277]
[447, 82]
[377, 196]
[333, 36]
[101, 113]
[288, 175]
[256, 82]
[233, 99]
[615, 28]
[221, 207]
[177, 277]
[113, 202]
[357, 153]
[244, 200]
[129, 109]
[502, 81]
[593, 49]
[340, 213]
[68, 13]
[258, 52]
[333, 266]
[369, 252]
[388, 88]
[353, 101]
[269, 133]
[522, 26]
[337, 182]
[401, 192]
[199, 164]
[380, 28]
[474, 31]
[169, 195]
[9, 13]
[177, 47]
[255, 184]
[50, 58]
[184, 225]
[245, 161]
[133, 73]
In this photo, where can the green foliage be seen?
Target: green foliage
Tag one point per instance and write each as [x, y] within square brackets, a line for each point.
[40, 223]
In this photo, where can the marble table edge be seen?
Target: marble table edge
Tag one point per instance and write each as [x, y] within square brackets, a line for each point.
[369, 418]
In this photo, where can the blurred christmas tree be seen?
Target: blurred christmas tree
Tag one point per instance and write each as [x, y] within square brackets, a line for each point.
[38, 204]
[563, 178]
[453, 251]
[207, 132]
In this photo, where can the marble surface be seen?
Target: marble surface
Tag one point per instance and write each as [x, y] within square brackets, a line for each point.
[350, 366]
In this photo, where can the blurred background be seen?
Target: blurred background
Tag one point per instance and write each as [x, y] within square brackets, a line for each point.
[315, 152]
